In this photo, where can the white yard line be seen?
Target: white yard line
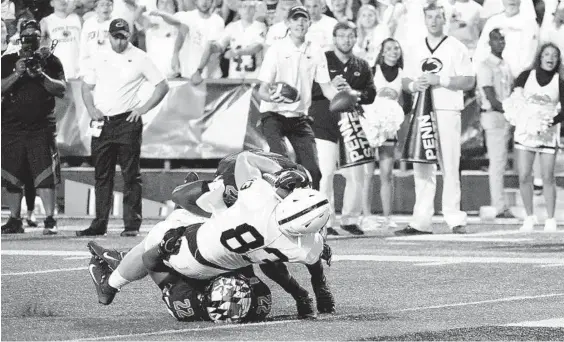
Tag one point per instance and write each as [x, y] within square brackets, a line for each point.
[547, 323]
[332, 317]
[45, 271]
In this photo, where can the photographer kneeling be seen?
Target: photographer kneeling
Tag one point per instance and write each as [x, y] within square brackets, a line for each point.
[31, 79]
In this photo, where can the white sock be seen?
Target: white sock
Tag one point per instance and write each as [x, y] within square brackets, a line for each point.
[537, 181]
[117, 281]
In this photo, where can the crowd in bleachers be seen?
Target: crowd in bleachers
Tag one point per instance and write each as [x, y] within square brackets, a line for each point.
[177, 33]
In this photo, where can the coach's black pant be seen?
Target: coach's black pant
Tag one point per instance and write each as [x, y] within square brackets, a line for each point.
[119, 142]
[298, 131]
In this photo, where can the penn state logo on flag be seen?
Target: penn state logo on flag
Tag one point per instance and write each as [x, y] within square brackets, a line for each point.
[431, 65]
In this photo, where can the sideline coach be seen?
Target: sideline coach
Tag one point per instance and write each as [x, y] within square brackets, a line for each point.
[109, 92]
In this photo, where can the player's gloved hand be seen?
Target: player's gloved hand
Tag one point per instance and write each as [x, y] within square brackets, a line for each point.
[290, 179]
[327, 254]
[170, 244]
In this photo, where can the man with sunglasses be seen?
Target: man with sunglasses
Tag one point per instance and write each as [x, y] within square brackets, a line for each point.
[31, 78]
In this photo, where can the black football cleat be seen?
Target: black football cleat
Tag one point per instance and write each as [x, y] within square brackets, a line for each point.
[305, 308]
[90, 232]
[100, 273]
[13, 226]
[50, 226]
[110, 256]
[332, 231]
[354, 229]
[323, 296]
[409, 231]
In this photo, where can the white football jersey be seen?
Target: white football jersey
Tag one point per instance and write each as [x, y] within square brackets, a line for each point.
[246, 233]
[449, 58]
[67, 33]
[237, 35]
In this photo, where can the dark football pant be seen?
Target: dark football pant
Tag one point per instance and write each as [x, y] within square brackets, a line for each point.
[119, 142]
[298, 131]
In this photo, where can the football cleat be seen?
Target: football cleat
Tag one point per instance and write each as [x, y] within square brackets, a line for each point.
[100, 273]
[323, 296]
[305, 308]
[50, 226]
[110, 256]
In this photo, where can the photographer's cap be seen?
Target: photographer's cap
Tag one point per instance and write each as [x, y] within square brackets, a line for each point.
[119, 27]
[30, 25]
[298, 11]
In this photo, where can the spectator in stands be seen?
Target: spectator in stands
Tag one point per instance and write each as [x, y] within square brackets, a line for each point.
[29, 152]
[160, 36]
[493, 7]
[341, 10]
[94, 37]
[265, 10]
[521, 37]
[321, 29]
[465, 23]
[242, 42]
[125, 9]
[196, 29]
[388, 77]
[64, 27]
[279, 29]
[85, 9]
[543, 88]
[495, 82]
[9, 16]
[371, 34]
[552, 29]
[111, 98]
[389, 13]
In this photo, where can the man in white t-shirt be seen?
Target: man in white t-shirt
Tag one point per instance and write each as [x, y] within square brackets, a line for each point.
[196, 29]
[442, 63]
[321, 29]
[94, 36]
[110, 93]
[64, 27]
[279, 29]
[521, 38]
[242, 41]
[465, 23]
[493, 7]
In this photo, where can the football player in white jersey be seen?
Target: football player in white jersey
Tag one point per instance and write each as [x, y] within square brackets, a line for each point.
[242, 41]
[442, 63]
[64, 27]
[222, 245]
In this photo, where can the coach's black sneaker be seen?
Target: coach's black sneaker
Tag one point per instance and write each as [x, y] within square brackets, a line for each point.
[305, 308]
[323, 296]
[90, 231]
[332, 231]
[409, 230]
[13, 226]
[110, 256]
[459, 230]
[100, 273]
[354, 229]
[50, 226]
[129, 233]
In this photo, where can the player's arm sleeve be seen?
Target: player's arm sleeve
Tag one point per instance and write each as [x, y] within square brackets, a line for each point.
[250, 166]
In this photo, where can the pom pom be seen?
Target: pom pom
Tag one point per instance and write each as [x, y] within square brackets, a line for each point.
[382, 120]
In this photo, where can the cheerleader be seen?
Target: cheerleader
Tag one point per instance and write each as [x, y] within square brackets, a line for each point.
[387, 79]
[541, 89]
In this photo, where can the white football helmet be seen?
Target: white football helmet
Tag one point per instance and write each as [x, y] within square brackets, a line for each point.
[304, 211]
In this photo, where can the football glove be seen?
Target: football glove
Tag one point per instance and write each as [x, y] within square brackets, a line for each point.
[170, 244]
[327, 254]
[290, 179]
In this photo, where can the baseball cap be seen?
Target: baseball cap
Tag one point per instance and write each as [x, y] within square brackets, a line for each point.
[297, 11]
[119, 27]
[30, 24]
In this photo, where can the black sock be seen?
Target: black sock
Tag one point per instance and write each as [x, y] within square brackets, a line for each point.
[316, 272]
[278, 272]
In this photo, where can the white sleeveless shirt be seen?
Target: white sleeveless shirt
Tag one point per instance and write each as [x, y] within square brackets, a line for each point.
[391, 90]
[67, 33]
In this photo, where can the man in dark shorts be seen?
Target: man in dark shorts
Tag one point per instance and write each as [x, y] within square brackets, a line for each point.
[31, 79]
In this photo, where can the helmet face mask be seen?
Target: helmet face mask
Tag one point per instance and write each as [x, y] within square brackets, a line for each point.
[304, 211]
[228, 299]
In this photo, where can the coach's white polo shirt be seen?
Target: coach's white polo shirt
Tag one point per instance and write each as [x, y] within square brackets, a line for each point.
[449, 58]
[296, 66]
[117, 78]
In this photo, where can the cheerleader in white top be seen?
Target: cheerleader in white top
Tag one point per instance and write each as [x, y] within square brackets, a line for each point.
[533, 110]
[382, 120]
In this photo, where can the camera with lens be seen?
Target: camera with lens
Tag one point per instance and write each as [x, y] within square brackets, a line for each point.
[34, 64]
